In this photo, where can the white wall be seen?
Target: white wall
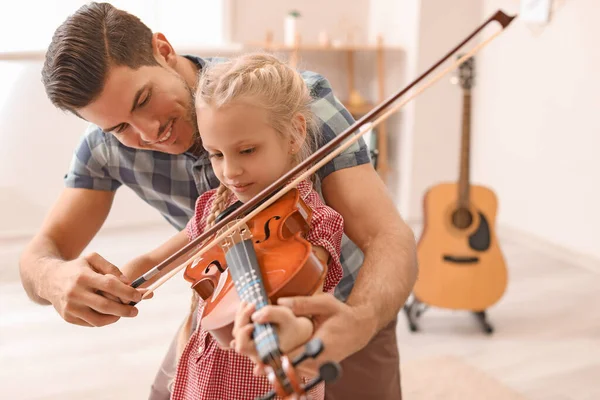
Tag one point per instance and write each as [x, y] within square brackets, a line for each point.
[434, 148]
[251, 19]
[536, 126]
[535, 131]
[36, 144]
[398, 22]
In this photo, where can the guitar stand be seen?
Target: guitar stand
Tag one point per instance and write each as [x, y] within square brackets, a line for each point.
[416, 308]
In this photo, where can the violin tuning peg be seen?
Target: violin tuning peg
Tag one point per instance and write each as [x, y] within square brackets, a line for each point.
[328, 372]
[311, 350]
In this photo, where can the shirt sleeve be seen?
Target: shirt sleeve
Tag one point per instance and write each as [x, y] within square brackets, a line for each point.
[333, 118]
[89, 168]
[326, 229]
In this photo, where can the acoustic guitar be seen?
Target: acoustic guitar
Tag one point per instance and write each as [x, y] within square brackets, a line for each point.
[461, 266]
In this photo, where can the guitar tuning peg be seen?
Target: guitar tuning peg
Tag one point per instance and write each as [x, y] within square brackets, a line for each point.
[454, 80]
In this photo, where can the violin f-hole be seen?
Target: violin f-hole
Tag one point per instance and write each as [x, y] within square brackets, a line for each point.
[217, 264]
[268, 229]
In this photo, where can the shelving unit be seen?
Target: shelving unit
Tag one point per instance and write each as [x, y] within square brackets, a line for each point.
[355, 104]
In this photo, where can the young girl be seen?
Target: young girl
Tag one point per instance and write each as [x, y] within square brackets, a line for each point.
[255, 124]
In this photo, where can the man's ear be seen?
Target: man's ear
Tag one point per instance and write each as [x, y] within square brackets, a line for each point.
[163, 51]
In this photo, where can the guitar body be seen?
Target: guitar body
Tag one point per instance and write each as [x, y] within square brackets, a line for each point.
[461, 265]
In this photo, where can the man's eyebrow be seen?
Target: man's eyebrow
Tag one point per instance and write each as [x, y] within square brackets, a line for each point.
[136, 99]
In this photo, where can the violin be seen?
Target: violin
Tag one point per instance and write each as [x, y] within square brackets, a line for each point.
[270, 248]
[260, 261]
[239, 237]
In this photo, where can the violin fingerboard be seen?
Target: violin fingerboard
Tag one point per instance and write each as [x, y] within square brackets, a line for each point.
[247, 277]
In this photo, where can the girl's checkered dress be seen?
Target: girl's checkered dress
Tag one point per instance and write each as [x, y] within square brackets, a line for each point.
[205, 371]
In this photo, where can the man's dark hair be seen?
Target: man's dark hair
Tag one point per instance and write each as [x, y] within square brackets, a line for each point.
[85, 46]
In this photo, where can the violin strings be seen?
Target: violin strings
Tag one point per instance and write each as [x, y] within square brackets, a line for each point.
[249, 284]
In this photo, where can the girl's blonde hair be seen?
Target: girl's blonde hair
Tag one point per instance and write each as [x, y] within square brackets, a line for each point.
[264, 80]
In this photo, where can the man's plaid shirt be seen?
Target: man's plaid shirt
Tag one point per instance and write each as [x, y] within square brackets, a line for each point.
[172, 183]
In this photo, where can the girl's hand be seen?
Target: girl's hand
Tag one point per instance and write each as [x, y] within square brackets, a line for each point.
[243, 327]
[293, 331]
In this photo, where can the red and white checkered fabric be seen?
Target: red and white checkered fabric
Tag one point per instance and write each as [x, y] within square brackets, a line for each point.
[205, 371]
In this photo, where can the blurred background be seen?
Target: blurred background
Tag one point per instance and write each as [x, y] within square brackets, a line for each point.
[533, 141]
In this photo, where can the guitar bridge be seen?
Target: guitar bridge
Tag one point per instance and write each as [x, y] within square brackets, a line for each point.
[461, 260]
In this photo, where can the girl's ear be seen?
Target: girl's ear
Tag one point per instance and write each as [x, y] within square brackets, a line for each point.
[299, 134]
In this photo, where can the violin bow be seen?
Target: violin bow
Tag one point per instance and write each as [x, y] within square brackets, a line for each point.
[278, 188]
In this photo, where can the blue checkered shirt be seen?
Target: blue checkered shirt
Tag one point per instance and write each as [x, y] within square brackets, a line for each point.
[172, 183]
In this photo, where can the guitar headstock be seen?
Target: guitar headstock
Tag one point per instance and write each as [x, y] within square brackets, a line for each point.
[466, 73]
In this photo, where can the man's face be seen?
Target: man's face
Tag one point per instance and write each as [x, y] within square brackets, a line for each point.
[150, 108]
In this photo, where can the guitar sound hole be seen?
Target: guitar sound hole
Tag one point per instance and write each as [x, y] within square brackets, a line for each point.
[462, 218]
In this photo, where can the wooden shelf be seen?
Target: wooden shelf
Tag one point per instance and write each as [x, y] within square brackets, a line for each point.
[318, 47]
[358, 110]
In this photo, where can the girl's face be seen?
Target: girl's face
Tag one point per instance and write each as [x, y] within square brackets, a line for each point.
[246, 153]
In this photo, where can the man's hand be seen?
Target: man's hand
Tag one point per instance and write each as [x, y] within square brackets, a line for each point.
[344, 330]
[85, 291]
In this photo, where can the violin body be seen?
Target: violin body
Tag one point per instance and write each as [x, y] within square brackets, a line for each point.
[286, 260]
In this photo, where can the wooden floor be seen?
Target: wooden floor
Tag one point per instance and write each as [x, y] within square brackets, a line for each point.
[546, 343]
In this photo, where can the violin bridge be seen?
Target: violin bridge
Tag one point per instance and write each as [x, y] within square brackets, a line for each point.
[237, 236]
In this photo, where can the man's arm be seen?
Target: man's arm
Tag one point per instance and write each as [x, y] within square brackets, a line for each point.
[385, 279]
[351, 186]
[52, 271]
[372, 222]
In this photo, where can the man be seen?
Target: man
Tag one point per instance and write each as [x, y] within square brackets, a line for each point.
[106, 67]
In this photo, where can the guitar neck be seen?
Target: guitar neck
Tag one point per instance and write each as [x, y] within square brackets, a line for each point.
[463, 180]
